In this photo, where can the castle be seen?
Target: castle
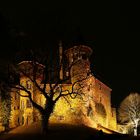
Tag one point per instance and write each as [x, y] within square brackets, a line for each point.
[94, 110]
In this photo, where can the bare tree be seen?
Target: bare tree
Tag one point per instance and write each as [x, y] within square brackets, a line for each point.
[39, 75]
[129, 111]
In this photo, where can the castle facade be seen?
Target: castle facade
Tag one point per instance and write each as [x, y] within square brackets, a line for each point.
[93, 110]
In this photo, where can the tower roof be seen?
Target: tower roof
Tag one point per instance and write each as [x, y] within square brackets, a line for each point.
[79, 48]
[29, 63]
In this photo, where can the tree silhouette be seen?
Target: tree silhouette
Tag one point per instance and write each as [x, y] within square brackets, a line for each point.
[46, 83]
[129, 111]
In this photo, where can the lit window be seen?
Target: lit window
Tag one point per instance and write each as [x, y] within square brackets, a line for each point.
[67, 73]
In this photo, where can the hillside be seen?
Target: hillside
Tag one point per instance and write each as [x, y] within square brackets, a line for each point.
[62, 132]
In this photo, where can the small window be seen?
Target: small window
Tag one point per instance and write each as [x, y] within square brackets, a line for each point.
[88, 88]
[89, 111]
[84, 56]
[67, 73]
[71, 60]
[16, 95]
[60, 118]
[28, 84]
[22, 104]
[28, 104]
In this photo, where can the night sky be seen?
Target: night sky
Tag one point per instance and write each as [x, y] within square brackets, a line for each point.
[110, 28]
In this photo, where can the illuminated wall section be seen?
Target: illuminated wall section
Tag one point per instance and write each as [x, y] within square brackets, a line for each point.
[103, 94]
[67, 111]
[15, 109]
[26, 107]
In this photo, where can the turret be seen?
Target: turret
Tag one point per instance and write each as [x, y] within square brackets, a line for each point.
[78, 59]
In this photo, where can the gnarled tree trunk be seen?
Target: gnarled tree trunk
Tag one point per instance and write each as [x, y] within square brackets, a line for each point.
[45, 117]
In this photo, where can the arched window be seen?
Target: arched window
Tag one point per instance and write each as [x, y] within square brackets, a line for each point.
[100, 109]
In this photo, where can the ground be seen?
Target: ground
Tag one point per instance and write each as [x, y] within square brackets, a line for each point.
[62, 132]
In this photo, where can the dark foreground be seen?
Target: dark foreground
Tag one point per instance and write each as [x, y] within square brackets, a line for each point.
[63, 133]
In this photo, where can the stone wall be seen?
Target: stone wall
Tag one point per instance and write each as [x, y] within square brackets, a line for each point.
[15, 109]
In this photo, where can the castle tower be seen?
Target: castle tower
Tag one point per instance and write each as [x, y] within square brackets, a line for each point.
[78, 59]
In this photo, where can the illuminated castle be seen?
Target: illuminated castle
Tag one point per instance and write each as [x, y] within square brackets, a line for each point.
[94, 110]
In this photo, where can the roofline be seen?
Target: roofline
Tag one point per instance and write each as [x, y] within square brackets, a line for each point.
[103, 84]
[22, 62]
[76, 46]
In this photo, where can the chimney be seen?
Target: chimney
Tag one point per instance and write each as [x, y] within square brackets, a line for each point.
[60, 60]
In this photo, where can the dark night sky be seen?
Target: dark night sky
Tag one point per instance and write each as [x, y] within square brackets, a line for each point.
[110, 28]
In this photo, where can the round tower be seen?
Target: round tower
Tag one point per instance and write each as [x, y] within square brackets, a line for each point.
[78, 59]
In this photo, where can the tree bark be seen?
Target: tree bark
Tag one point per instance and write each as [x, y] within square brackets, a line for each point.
[45, 122]
[45, 117]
